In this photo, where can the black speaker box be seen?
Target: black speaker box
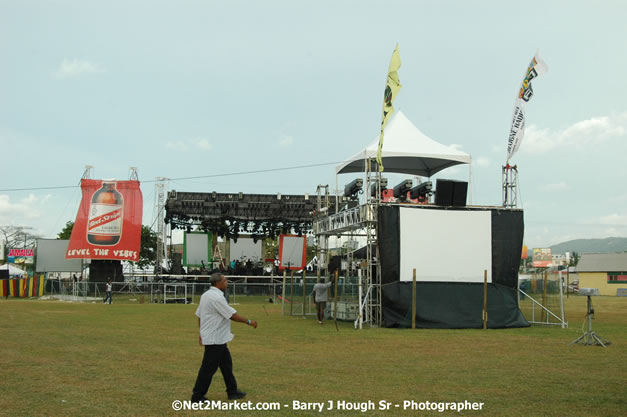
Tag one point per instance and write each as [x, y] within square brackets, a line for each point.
[101, 270]
[451, 193]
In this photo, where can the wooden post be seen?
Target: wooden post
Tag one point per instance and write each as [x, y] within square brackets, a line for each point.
[337, 275]
[283, 291]
[291, 292]
[544, 295]
[304, 290]
[413, 302]
[485, 298]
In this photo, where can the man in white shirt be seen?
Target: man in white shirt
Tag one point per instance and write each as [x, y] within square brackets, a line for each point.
[109, 291]
[214, 320]
[321, 296]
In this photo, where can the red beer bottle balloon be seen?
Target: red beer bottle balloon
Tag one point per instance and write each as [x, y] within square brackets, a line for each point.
[104, 227]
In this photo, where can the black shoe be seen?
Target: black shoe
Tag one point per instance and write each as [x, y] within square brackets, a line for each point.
[237, 395]
[201, 400]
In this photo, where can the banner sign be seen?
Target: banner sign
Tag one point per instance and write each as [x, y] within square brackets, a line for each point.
[22, 253]
[392, 87]
[536, 68]
[109, 221]
[542, 258]
[21, 256]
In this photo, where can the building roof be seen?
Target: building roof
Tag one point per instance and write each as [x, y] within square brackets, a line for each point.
[603, 262]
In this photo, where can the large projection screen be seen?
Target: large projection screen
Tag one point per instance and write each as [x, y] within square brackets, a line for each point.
[244, 249]
[197, 249]
[445, 245]
[51, 257]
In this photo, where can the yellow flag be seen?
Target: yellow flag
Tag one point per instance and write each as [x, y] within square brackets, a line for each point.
[392, 87]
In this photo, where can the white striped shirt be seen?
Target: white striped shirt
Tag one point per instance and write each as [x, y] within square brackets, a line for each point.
[215, 318]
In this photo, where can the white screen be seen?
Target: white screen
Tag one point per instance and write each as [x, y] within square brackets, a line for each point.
[445, 245]
[51, 257]
[196, 249]
[244, 249]
[292, 254]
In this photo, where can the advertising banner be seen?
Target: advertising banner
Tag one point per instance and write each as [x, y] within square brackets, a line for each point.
[536, 68]
[109, 221]
[542, 258]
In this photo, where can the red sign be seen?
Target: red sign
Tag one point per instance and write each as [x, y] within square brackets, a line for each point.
[20, 252]
[109, 221]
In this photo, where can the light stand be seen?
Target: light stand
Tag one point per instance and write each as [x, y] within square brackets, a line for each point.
[590, 338]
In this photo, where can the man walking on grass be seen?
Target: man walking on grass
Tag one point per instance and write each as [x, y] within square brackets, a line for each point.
[214, 320]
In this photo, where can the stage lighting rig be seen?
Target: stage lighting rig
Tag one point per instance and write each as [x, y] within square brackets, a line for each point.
[352, 188]
[421, 190]
[400, 191]
[373, 187]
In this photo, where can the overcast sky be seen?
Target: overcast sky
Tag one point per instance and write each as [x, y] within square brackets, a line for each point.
[198, 88]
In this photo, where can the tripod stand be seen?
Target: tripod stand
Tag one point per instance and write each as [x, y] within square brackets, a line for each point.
[590, 338]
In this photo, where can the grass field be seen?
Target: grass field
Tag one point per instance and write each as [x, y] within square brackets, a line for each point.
[129, 359]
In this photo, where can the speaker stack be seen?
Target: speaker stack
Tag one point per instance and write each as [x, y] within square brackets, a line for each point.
[451, 193]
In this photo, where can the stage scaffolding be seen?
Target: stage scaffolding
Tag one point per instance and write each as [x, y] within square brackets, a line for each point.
[360, 220]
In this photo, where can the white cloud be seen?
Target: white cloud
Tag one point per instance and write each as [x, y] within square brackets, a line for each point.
[15, 213]
[178, 145]
[286, 140]
[182, 145]
[499, 149]
[579, 136]
[557, 187]
[613, 220]
[76, 67]
[484, 162]
[203, 144]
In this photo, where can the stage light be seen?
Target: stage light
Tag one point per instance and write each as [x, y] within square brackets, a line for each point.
[373, 187]
[421, 190]
[353, 187]
[400, 191]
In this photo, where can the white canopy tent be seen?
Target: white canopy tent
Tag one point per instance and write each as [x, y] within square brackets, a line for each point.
[406, 150]
[14, 272]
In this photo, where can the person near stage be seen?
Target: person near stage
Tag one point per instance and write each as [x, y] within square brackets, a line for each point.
[214, 321]
[321, 296]
[109, 291]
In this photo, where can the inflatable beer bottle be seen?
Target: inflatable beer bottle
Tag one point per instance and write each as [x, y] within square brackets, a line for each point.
[104, 227]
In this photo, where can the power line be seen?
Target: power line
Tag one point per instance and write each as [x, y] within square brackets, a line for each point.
[258, 171]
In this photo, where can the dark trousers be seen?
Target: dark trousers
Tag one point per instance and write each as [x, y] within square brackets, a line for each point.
[320, 306]
[216, 356]
[108, 298]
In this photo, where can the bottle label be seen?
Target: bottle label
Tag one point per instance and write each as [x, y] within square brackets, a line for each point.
[105, 219]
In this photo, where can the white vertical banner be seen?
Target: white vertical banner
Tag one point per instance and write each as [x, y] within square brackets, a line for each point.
[1, 251]
[536, 68]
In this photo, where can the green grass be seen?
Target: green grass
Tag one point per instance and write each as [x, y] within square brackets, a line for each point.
[131, 359]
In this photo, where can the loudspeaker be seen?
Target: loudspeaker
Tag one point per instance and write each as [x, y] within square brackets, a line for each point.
[101, 270]
[451, 193]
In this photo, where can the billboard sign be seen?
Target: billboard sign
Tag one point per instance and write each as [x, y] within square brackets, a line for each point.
[542, 258]
[21, 256]
[109, 221]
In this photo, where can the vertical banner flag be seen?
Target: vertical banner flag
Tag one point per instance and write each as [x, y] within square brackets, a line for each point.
[392, 87]
[109, 221]
[517, 131]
